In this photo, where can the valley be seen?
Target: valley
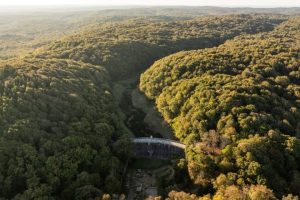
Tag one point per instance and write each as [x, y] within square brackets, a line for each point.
[224, 86]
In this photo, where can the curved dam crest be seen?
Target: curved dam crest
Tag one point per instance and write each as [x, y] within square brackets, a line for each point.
[158, 148]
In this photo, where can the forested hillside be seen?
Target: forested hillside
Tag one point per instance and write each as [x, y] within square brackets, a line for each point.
[23, 30]
[237, 107]
[57, 121]
[131, 46]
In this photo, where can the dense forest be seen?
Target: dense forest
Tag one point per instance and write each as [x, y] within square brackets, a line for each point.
[57, 122]
[237, 107]
[24, 30]
[131, 46]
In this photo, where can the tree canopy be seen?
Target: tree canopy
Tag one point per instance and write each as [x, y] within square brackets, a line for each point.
[131, 46]
[237, 107]
[57, 122]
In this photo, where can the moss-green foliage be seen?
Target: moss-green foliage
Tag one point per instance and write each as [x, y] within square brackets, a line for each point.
[131, 46]
[57, 121]
[25, 30]
[237, 106]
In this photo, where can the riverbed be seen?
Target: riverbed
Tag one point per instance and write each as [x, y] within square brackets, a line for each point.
[139, 113]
